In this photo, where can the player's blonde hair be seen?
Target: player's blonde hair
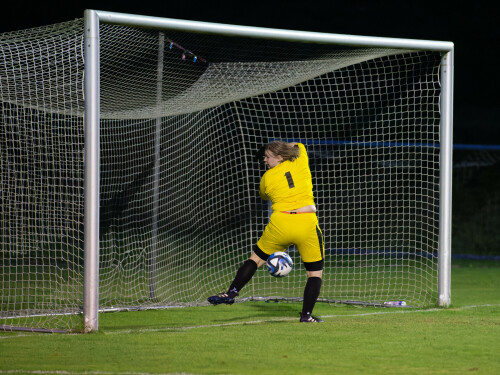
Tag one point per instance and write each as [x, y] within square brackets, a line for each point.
[288, 151]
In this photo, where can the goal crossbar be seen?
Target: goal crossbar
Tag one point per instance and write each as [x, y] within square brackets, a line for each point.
[268, 33]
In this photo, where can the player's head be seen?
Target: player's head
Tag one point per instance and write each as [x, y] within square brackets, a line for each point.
[279, 151]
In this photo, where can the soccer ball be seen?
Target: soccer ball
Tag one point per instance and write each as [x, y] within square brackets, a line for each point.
[279, 264]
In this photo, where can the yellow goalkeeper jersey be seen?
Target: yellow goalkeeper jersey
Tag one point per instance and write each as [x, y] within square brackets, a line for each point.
[289, 184]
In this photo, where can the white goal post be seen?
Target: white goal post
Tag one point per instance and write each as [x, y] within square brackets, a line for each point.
[93, 18]
[158, 126]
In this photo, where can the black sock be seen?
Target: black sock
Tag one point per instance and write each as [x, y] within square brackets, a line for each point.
[311, 294]
[243, 276]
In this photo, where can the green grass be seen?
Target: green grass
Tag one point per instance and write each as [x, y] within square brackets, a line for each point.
[266, 338]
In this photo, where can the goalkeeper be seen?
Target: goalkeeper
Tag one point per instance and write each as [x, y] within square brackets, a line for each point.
[288, 184]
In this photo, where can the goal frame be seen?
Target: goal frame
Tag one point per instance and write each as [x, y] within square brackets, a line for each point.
[92, 20]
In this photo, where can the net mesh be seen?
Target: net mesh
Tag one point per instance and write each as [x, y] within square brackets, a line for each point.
[41, 177]
[183, 119]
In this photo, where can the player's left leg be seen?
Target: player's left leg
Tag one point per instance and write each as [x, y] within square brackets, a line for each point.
[247, 270]
[269, 242]
[243, 276]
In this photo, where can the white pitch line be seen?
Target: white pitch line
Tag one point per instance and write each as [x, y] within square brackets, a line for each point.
[13, 336]
[274, 320]
[252, 322]
[63, 372]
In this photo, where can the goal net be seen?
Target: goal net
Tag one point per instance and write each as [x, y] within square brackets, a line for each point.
[183, 117]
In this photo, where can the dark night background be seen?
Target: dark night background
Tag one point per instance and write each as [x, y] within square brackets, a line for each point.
[471, 26]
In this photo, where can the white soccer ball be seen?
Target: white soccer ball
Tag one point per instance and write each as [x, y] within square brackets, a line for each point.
[279, 264]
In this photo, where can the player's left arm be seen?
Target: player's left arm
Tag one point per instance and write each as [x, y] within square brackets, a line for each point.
[262, 189]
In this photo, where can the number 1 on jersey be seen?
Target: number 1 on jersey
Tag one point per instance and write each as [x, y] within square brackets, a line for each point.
[289, 178]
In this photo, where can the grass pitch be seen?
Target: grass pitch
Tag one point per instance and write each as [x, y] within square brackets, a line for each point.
[266, 338]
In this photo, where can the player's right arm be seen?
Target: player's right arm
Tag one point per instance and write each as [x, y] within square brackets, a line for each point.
[303, 152]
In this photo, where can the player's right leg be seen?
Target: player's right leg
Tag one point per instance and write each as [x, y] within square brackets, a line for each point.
[311, 293]
[308, 318]
[312, 251]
